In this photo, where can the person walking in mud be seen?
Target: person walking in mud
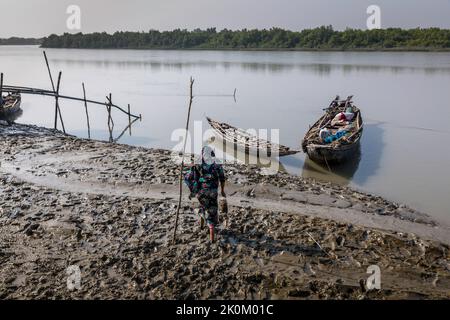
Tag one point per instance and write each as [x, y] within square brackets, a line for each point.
[203, 181]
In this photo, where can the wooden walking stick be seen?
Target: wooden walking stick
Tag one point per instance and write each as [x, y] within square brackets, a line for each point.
[191, 98]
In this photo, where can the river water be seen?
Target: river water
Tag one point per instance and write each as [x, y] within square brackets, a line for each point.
[404, 97]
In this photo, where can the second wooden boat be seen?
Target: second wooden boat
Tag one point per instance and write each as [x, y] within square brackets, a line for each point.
[345, 136]
[247, 142]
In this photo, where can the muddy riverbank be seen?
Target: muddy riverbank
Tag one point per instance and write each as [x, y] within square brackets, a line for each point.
[109, 210]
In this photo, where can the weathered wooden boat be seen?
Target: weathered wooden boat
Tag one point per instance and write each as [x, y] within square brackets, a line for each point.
[341, 149]
[226, 153]
[247, 142]
[10, 105]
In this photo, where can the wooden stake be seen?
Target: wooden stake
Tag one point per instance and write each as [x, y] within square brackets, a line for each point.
[49, 72]
[182, 162]
[110, 112]
[129, 117]
[53, 88]
[1, 87]
[110, 120]
[87, 113]
[58, 110]
[125, 130]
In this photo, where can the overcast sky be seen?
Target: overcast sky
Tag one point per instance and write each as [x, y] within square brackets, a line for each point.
[42, 17]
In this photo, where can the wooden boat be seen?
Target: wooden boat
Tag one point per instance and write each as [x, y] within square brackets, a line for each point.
[226, 153]
[11, 104]
[341, 149]
[248, 143]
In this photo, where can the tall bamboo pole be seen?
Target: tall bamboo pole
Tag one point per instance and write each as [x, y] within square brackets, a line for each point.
[191, 98]
[87, 112]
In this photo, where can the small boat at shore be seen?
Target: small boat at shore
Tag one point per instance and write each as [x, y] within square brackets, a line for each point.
[336, 136]
[10, 105]
[248, 143]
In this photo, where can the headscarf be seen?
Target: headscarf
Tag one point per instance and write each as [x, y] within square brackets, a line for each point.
[208, 157]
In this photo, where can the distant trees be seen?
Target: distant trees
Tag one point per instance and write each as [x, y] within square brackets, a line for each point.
[322, 38]
[20, 41]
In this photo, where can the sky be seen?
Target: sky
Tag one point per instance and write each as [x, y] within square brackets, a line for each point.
[39, 18]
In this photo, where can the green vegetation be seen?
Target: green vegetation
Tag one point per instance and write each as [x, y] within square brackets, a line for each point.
[323, 38]
[20, 41]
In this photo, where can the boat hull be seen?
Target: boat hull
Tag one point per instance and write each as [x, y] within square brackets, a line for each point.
[321, 153]
[233, 147]
[233, 152]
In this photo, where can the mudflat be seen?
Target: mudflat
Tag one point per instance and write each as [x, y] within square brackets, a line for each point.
[109, 210]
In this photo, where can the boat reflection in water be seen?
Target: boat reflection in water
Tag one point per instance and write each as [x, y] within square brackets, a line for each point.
[340, 174]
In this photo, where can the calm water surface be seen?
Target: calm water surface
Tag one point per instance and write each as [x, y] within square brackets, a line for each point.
[405, 99]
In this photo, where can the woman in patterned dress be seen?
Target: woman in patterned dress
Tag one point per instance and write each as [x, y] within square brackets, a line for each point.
[203, 181]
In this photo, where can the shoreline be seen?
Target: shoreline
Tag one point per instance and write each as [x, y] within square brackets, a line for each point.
[444, 50]
[109, 208]
[382, 50]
